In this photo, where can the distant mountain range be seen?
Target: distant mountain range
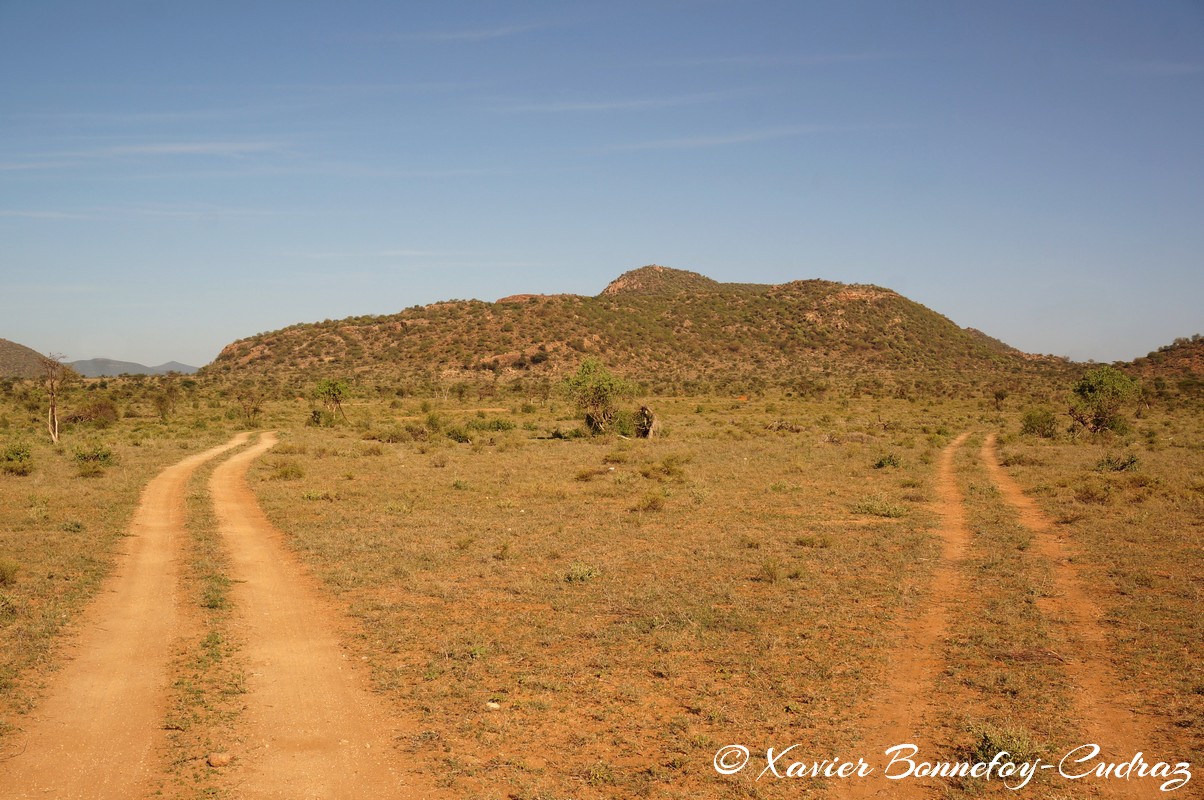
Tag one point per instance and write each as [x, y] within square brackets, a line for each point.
[19, 361]
[107, 368]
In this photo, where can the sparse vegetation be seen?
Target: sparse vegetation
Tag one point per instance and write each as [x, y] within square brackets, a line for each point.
[1100, 397]
[629, 604]
[1040, 421]
[596, 392]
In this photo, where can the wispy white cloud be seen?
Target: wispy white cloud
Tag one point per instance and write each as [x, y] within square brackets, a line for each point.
[743, 137]
[789, 59]
[19, 166]
[118, 118]
[120, 212]
[1168, 69]
[199, 148]
[374, 254]
[180, 212]
[153, 149]
[467, 34]
[56, 288]
[633, 104]
[38, 214]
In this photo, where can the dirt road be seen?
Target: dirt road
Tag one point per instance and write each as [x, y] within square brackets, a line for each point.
[896, 715]
[310, 728]
[98, 733]
[1100, 701]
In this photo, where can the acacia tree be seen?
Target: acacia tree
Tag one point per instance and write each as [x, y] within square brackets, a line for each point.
[331, 392]
[596, 391]
[1100, 396]
[54, 375]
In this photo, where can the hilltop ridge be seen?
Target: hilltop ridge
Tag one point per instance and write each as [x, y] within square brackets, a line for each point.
[657, 324]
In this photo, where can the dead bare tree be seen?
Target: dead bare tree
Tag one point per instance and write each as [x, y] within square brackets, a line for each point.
[54, 375]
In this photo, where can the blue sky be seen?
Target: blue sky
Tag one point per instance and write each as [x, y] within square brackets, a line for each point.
[174, 176]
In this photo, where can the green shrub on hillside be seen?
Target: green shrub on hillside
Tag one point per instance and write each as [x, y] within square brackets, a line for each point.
[1039, 421]
[1100, 397]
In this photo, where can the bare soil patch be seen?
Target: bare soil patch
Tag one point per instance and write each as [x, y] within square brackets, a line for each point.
[310, 728]
[897, 714]
[1101, 703]
[97, 734]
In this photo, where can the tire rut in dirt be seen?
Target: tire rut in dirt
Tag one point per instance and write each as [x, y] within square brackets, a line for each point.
[897, 713]
[310, 729]
[1100, 704]
[99, 733]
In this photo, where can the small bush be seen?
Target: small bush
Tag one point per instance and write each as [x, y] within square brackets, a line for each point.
[73, 526]
[8, 571]
[16, 459]
[1093, 492]
[321, 418]
[771, 571]
[992, 740]
[287, 470]
[650, 502]
[313, 494]
[493, 425]
[100, 413]
[615, 457]
[8, 609]
[879, 506]
[458, 434]
[580, 573]
[670, 467]
[1039, 421]
[888, 460]
[1111, 463]
[96, 454]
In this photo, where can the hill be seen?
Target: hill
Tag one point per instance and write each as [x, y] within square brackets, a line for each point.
[19, 361]
[1183, 358]
[662, 326]
[107, 367]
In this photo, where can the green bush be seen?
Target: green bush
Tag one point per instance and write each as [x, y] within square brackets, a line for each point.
[1111, 463]
[458, 434]
[16, 459]
[580, 573]
[8, 571]
[1100, 397]
[596, 392]
[493, 425]
[1039, 421]
[287, 470]
[96, 454]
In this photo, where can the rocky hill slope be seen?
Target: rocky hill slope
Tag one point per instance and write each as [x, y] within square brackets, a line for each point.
[663, 326]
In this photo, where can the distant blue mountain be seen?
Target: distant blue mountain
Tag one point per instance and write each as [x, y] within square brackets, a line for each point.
[107, 367]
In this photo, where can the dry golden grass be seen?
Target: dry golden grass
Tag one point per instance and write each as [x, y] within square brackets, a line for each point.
[1138, 535]
[630, 606]
[60, 527]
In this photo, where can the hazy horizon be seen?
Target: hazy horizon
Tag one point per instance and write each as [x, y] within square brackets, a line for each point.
[174, 178]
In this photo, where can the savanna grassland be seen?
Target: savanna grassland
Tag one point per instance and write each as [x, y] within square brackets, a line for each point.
[633, 605]
[550, 614]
